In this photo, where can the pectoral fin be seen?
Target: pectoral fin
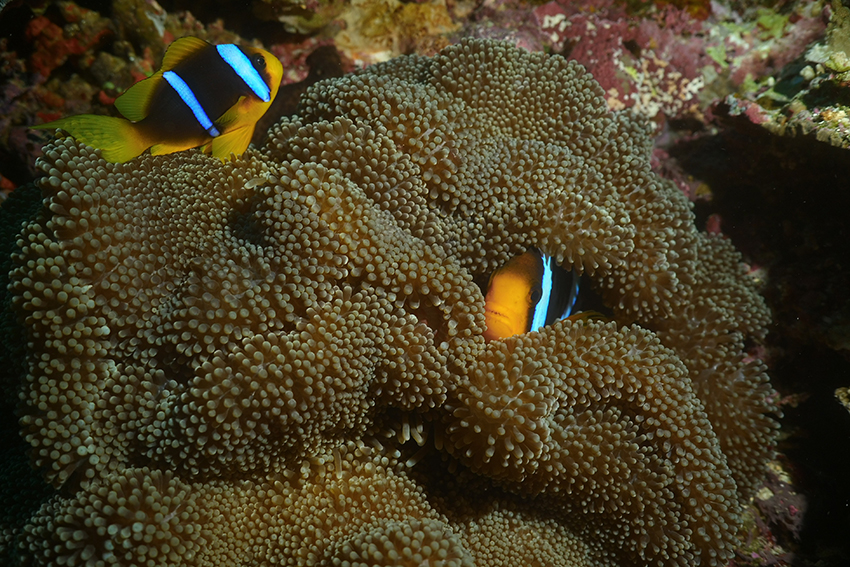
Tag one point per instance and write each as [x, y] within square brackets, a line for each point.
[234, 141]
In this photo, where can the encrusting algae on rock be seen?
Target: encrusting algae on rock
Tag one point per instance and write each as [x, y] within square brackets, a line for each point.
[280, 359]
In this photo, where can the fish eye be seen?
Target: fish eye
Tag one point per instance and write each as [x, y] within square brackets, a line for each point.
[258, 61]
[535, 295]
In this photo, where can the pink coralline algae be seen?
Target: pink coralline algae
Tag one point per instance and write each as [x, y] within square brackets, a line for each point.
[647, 64]
[53, 45]
[670, 62]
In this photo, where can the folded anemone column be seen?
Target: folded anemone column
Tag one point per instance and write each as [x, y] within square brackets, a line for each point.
[280, 359]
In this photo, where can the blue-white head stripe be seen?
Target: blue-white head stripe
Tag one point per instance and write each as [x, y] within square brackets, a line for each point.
[542, 307]
[187, 96]
[243, 67]
[571, 303]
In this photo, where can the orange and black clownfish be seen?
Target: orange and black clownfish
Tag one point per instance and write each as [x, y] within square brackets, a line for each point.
[203, 95]
[527, 293]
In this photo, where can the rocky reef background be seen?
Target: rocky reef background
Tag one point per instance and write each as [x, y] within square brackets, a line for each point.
[749, 105]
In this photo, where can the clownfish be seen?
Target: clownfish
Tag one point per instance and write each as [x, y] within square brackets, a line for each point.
[203, 95]
[527, 293]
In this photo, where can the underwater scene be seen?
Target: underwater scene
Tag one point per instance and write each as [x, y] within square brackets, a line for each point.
[442, 283]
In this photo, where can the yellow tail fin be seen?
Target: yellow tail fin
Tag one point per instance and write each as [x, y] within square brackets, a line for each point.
[119, 140]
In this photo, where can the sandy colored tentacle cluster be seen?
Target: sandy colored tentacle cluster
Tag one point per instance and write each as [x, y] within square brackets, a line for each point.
[139, 517]
[280, 360]
[529, 411]
[709, 335]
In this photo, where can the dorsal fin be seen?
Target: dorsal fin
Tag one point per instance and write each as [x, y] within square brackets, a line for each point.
[180, 50]
[134, 103]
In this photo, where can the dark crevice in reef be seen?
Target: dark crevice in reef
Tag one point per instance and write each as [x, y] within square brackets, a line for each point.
[22, 489]
[23, 205]
[784, 202]
[244, 220]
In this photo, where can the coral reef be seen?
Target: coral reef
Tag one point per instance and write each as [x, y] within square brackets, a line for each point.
[377, 30]
[281, 357]
[53, 45]
[806, 97]
[675, 61]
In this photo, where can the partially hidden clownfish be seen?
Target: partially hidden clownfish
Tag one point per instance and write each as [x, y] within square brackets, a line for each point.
[203, 95]
[530, 291]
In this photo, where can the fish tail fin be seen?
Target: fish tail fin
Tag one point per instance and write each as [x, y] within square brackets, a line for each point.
[119, 140]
